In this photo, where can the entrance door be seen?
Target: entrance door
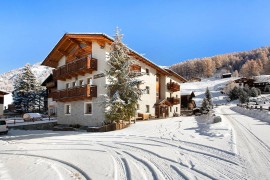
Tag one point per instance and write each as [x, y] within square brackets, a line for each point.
[164, 111]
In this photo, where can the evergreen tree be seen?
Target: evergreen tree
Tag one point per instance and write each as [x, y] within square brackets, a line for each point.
[253, 92]
[208, 97]
[243, 96]
[122, 90]
[234, 93]
[205, 105]
[247, 90]
[26, 91]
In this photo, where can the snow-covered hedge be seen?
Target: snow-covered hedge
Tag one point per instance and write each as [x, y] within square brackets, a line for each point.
[255, 113]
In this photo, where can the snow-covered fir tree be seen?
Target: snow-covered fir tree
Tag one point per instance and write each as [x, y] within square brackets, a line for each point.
[205, 105]
[208, 97]
[243, 96]
[123, 92]
[26, 91]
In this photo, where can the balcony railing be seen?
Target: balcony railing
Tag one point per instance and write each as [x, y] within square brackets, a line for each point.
[172, 86]
[75, 68]
[51, 84]
[75, 93]
[174, 100]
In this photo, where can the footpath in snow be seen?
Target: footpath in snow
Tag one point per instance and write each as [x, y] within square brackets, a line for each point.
[173, 148]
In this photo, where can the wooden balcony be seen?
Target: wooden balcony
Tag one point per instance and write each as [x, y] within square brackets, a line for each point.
[135, 68]
[174, 100]
[75, 68]
[51, 84]
[172, 86]
[75, 93]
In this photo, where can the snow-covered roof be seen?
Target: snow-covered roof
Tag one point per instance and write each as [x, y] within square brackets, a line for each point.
[3, 92]
[262, 78]
[186, 92]
[109, 39]
[227, 74]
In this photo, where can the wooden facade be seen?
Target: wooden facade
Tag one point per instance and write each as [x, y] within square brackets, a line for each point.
[173, 100]
[172, 86]
[75, 93]
[186, 101]
[74, 68]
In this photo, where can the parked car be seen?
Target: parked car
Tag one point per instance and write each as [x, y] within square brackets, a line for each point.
[32, 117]
[3, 127]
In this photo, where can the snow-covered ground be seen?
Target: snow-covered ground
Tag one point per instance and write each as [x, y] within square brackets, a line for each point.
[214, 85]
[253, 143]
[174, 148]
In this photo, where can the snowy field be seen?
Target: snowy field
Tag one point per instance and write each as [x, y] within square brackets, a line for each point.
[214, 85]
[175, 148]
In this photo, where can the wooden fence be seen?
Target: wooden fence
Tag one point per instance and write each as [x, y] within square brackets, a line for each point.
[109, 127]
[258, 107]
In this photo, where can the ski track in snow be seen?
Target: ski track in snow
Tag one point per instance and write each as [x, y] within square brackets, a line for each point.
[59, 166]
[136, 153]
[250, 147]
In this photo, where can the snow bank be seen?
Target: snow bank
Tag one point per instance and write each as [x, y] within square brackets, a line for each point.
[207, 127]
[257, 114]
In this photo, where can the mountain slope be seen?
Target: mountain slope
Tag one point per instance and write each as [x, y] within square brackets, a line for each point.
[249, 63]
[7, 79]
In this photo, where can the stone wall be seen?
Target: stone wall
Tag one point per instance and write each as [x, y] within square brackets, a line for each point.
[43, 126]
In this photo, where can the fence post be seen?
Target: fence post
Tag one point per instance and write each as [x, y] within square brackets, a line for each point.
[261, 108]
[255, 107]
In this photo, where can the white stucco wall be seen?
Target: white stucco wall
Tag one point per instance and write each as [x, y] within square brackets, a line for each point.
[150, 81]
[78, 116]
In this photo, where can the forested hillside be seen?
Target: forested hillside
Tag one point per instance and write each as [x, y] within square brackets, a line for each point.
[247, 64]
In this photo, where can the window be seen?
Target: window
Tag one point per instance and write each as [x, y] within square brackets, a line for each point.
[81, 83]
[170, 109]
[176, 96]
[89, 81]
[147, 71]
[67, 85]
[88, 108]
[147, 108]
[74, 84]
[147, 89]
[67, 109]
[138, 106]
[176, 109]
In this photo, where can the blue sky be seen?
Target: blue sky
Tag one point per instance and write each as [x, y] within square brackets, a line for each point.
[166, 32]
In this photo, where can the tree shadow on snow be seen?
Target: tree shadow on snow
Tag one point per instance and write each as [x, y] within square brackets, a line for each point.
[203, 128]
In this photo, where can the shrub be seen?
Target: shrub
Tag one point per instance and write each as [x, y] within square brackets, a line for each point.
[217, 119]
[253, 92]
[243, 96]
[267, 88]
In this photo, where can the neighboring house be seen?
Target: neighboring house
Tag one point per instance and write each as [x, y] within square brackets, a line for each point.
[242, 82]
[261, 81]
[227, 75]
[51, 85]
[80, 61]
[186, 100]
[2, 94]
